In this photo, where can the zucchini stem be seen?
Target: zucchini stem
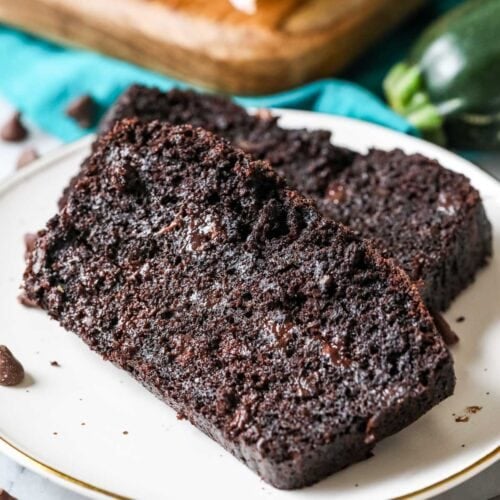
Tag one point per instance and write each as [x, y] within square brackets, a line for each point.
[405, 91]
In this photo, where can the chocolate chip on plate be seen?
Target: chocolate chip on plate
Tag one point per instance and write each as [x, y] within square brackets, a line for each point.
[13, 129]
[82, 110]
[26, 157]
[11, 371]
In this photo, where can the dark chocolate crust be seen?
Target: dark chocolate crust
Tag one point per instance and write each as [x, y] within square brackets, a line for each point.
[429, 219]
[276, 331]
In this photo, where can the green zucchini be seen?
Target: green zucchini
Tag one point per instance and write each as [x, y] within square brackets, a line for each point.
[449, 87]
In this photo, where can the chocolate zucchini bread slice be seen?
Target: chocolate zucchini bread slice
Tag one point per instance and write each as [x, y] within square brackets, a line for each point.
[429, 219]
[276, 331]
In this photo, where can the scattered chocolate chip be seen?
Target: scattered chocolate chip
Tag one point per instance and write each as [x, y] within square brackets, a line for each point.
[449, 336]
[29, 155]
[473, 409]
[125, 433]
[11, 371]
[54, 433]
[462, 445]
[82, 110]
[460, 319]
[5, 496]
[26, 301]
[83, 423]
[55, 363]
[462, 418]
[13, 129]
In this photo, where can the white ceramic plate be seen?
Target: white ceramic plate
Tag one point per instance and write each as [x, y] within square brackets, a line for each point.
[42, 422]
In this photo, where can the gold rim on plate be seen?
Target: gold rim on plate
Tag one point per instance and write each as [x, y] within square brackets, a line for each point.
[429, 489]
[62, 475]
[96, 489]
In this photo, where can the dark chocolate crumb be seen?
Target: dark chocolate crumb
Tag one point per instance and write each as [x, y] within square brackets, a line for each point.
[83, 423]
[460, 319]
[26, 301]
[27, 156]
[487, 394]
[462, 445]
[125, 433]
[473, 409]
[356, 485]
[13, 129]
[55, 363]
[82, 110]
[5, 496]
[29, 243]
[462, 418]
[54, 433]
[11, 371]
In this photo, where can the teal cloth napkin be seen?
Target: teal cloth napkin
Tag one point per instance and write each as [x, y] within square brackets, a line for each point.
[40, 78]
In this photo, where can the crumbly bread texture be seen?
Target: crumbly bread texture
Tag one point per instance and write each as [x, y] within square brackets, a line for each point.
[426, 217]
[276, 331]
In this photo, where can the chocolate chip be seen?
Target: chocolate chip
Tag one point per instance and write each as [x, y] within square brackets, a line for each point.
[336, 192]
[26, 157]
[55, 363]
[13, 129]
[82, 110]
[11, 371]
[473, 409]
[5, 496]
[460, 319]
[26, 301]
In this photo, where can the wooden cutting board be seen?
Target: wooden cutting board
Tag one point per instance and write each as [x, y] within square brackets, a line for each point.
[210, 43]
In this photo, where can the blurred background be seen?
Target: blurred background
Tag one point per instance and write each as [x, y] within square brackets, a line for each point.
[428, 68]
